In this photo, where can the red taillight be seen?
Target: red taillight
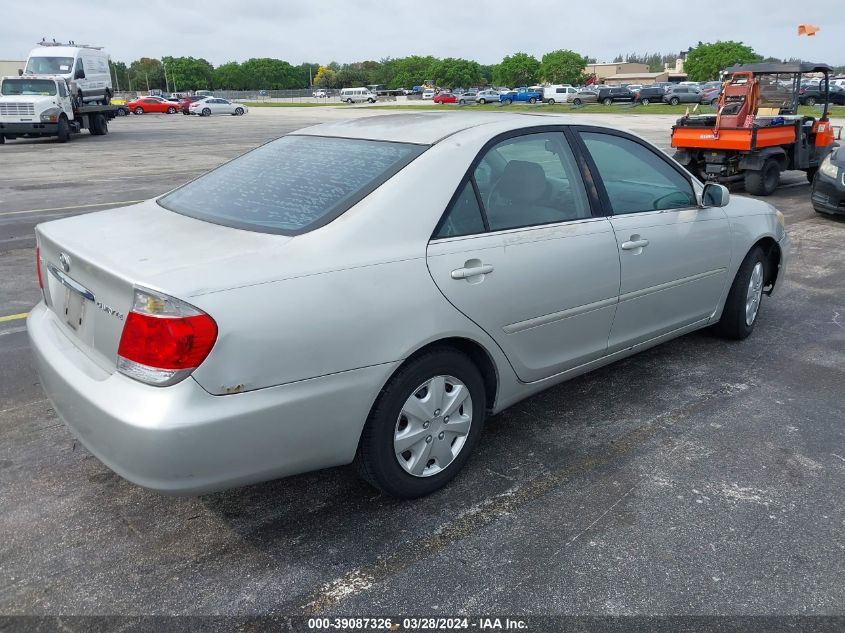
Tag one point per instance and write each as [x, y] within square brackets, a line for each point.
[165, 342]
[164, 339]
[38, 267]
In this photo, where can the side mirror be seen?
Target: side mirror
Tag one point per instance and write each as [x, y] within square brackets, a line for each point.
[20, 72]
[79, 74]
[715, 195]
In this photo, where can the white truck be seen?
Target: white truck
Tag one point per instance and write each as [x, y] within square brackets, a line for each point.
[43, 105]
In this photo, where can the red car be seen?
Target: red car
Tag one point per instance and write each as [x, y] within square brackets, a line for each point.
[445, 97]
[185, 103]
[142, 105]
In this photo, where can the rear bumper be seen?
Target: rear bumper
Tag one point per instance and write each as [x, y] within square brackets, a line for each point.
[19, 129]
[183, 440]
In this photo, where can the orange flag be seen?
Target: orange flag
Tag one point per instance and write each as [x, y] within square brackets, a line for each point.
[807, 29]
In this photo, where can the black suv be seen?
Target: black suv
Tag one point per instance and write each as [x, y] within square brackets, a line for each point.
[812, 94]
[652, 94]
[611, 95]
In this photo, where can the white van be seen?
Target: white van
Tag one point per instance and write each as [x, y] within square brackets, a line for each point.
[558, 93]
[357, 95]
[85, 68]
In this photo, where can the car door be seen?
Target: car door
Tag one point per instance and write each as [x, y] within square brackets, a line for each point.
[674, 254]
[524, 254]
[224, 107]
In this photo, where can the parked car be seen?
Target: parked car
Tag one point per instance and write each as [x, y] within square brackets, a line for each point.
[122, 108]
[144, 105]
[682, 94]
[444, 97]
[177, 337]
[216, 105]
[558, 94]
[828, 189]
[467, 96]
[585, 96]
[524, 95]
[319, 94]
[487, 96]
[710, 95]
[185, 104]
[810, 95]
[650, 94]
[358, 95]
[610, 95]
[428, 95]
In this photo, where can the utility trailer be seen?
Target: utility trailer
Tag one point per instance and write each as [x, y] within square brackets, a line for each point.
[42, 105]
[757, 131]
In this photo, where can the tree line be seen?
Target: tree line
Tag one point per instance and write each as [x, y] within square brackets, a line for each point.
[704, 62]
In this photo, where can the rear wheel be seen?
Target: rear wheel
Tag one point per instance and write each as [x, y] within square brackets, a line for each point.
[171, 110]
[576, 102]
[239, 111]
[550, 101]
[206, 112]
[532, 100]
[763, 182]
[139, 110]
[508, 101]
[63, 134]
[811, 101]
[120, 112]
[645, 101]
[674, 101]
[424, 424]
[98, 125]
[482, 101]
[714, 102]
[743, 304]
[607, 101]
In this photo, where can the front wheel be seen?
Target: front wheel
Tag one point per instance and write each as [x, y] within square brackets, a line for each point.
[550, 101]
[120, 112]
[171, 110]
[461, 102]
[239, 111]
[508, 101]
[206, 112]
[482, 101]
[674, 101]
[714, 102]
[63, 134]
[532, 100]
[743, 304]
[607, 101]
[139, 110]
[576, 102]
[645, 101]
[810, 101]
[424, 424]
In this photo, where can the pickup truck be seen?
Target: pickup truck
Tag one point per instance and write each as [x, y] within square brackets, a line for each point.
[42, 105]
[520, 94]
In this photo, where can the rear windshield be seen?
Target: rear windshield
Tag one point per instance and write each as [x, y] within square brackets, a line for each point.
[291, 185]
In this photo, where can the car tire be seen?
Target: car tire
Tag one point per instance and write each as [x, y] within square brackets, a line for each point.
[98, 126]
[576, 102]
[607, 101]
[508, 101]
[139, 110]
[120, 112]
[811, 174]
[674, 101]
[206, 112]
[63, 134]
[377, 461]
[810, 101]
[763, 182]
[171, 110]
[239, 111]
[742, 307]
[645, 101]
[714, 102]
[532, 100]
[482, 101]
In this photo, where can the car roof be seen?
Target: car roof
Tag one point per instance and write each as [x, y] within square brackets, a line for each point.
[426, 128]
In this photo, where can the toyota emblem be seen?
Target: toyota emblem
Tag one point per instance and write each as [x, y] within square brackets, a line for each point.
[64, 260]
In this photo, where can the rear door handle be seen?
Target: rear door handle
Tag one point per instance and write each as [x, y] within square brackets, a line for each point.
[633, 245]
[474, 271]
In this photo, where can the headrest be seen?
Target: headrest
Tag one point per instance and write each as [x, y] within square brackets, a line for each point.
[522, 181]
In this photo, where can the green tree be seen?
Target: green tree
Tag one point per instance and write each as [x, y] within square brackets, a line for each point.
[519, 69]
[563, 67]
[705, 61]
[271, 74]
[412, 71]
[352, 77]
[457, 73]
[325, 77]
[119, 75]
[229, 76]
[309, 71]
[146, 74]
[188, 73]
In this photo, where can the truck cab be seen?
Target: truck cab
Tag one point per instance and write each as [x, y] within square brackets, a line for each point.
[521, 94]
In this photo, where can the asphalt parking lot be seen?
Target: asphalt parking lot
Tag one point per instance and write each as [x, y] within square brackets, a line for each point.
[700, 477]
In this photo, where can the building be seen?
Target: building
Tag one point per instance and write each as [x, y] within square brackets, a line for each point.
[10, 67]
[672, 74]
[604, 70]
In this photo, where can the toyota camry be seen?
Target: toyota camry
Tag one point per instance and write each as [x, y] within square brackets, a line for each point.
[370, 291]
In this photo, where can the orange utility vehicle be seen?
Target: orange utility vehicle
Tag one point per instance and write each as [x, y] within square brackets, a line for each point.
[757, 131]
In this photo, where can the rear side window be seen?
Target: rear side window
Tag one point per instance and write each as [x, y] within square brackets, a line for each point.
[291, 185]
[464, 218]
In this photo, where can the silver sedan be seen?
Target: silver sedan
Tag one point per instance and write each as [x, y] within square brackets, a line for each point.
[215, 105]
[302, 307]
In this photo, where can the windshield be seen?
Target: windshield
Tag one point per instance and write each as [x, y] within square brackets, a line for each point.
[49, 65]
[291, 185]
[18, 87]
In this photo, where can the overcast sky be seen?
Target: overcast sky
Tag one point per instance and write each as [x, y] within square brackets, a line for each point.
[356, 30]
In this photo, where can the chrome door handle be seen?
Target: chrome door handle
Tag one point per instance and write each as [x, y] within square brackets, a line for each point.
[633, 245]
[474, 271]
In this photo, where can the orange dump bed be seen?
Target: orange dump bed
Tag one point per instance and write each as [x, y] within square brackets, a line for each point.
[733, 138]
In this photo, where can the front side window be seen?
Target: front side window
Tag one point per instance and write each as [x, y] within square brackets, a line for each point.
[530, 180]
[637, 179]
[291, 185]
